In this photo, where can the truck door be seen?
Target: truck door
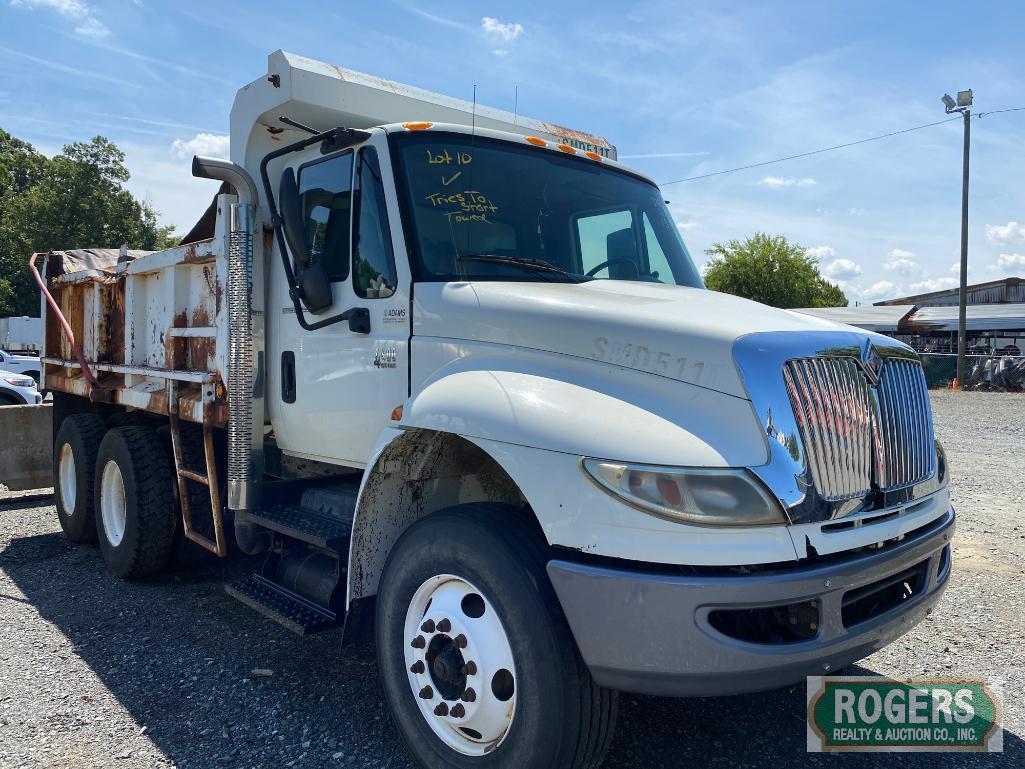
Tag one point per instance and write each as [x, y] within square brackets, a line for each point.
[338, 387]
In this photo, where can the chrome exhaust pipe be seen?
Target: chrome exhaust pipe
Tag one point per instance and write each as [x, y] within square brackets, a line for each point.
[245, 406]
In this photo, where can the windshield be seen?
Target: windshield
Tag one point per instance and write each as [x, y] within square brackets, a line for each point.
[492, 210]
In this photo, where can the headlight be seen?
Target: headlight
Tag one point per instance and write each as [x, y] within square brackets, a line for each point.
[20, 381]
[941, 465]
[689, 495]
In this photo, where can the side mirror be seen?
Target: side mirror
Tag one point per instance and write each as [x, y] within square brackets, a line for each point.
[292, 219]
[315, 289]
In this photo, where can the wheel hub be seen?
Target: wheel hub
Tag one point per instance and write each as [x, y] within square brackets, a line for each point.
[113, 508]
[460, 665]
[68, 478]
[446, 664]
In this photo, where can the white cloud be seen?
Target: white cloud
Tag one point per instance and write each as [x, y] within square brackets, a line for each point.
[856, 211]
[881, 289]
[787, 181]
[70, 8]
[92, 27]
[932, 284]
[504, 30]
[900, 261]
[1005, 233]
[684, 226]
[842, 269]
[1011, 261]
[214, 145]
[500, 52]
[820, 252]
[88, 24]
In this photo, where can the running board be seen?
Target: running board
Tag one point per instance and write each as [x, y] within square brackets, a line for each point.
[283, 606]
[302, 524]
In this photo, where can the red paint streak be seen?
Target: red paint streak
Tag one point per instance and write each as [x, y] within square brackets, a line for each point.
[75, 348]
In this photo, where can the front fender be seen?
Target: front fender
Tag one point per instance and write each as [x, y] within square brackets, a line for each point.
[579, 406]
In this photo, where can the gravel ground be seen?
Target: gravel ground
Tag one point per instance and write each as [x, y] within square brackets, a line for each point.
[95, 672]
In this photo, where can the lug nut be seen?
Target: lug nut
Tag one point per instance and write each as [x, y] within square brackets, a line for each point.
[426, 693]
[470, 668]
[418, 642]
[428, 626]
[460, 641]
[458, 711]
[469, 696]
[418, 667]
[444, 626]
[441, 710]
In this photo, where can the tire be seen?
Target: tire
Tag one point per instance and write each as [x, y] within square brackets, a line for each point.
[560, 717]
[74, 453]
[134, 502]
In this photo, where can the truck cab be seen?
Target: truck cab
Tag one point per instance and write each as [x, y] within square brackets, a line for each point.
[453, 375]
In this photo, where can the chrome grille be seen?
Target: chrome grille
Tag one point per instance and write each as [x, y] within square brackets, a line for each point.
[905, 418]
[857, 437]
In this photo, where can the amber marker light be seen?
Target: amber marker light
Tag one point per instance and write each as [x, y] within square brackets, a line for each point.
[535, 141]
[417, 125]
[396, 414]
[567, 149]
[594, 156]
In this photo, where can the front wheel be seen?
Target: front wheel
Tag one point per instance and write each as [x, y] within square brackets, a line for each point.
[477, 661]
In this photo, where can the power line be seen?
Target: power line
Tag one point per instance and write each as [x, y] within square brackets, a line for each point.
[998, 111]
[834, 147]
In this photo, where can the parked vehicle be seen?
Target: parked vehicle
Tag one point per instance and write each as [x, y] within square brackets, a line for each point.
[28, 365]
[21, 334]
[455, 374]
[18, 390]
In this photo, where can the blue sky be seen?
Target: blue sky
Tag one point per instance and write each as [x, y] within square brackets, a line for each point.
[681, 88]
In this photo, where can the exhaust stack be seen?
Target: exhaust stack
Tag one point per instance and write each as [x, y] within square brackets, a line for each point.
[245, 403]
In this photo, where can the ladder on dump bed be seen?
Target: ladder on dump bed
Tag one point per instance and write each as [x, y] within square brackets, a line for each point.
[219, 544]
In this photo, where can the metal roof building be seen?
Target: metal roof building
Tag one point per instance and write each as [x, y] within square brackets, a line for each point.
[978, 317]
[1003, 291]
[884, 320]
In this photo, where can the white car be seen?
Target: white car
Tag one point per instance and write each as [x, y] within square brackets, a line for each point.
[21, 364]
[18, 389]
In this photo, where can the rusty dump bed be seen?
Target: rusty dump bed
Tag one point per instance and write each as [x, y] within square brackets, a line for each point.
[150, 328]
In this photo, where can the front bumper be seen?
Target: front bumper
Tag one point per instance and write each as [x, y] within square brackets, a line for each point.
[650, 633]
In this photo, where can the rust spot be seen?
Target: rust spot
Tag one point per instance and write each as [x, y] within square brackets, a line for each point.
[194, 256]
[114, 343]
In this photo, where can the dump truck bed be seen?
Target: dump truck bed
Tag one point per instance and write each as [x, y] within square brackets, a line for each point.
[147, 329]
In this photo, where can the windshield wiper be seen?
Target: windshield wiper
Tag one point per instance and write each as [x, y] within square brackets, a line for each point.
[532, 265]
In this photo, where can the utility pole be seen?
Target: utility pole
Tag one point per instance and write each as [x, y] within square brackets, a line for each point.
[962, 105]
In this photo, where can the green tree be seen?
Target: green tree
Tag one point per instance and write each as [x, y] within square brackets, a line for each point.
[772, 271]
[74, 200]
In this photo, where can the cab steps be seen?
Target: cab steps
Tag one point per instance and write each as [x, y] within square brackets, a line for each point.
[323, 517]
[289, 609]
[309, 554]
[302, 524]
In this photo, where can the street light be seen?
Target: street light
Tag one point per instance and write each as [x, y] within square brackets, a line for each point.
[964, 101]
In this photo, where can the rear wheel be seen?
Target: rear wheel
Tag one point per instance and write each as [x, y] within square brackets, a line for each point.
[134, 502]
[74, 463]
[477, 662]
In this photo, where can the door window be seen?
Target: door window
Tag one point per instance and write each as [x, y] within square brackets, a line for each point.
[373, 265]
[325, 190]
[607, 240]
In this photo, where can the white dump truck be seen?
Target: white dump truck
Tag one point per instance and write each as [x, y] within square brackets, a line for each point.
[454, 374]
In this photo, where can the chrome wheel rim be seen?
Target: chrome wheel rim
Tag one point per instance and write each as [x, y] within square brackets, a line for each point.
[459, 664]
[67, 478]
[113, 510]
